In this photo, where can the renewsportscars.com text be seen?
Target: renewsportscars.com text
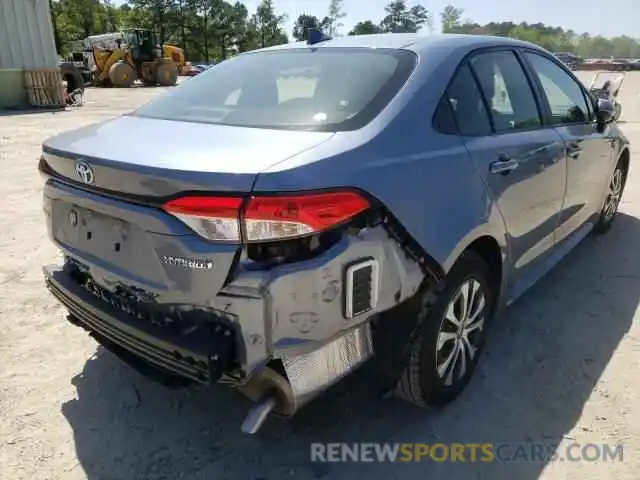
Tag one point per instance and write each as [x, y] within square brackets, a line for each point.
[466, 452]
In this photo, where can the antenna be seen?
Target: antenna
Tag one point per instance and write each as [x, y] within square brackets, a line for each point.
[315, 35]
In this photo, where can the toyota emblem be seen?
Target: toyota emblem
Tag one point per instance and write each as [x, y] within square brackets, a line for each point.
[85, 172]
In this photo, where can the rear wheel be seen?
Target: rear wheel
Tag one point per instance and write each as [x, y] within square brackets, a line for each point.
[167, 74]
[445, 352]
[121, 74]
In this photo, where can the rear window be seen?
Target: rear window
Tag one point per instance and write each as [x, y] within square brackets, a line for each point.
[326, 89]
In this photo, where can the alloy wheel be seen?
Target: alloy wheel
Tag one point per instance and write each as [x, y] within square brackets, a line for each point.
[461, 331]
[613, 195]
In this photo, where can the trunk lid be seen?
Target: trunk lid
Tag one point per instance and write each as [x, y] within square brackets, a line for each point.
[149, 157]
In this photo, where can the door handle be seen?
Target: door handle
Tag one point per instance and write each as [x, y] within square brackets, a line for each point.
[573, 150]
[504, 165]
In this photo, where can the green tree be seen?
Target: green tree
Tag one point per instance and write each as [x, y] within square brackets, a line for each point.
[365, 28]
[600, 47]
[220, 27]
[625, 47]
[85, 13]
[134, 17]
[74, 20]
[400, 19]
[557, 39]
[109, 17]
[199, 22]
[451, 18]
[182, 23]
[334, 17]
[78, 17]
[228, 26]
[522, 32]
[266, 25]
[53, 11]
[163, 15]
[215, 29]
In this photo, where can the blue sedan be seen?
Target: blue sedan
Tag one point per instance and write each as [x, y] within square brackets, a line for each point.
[282, 218]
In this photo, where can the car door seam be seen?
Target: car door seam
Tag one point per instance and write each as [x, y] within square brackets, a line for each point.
[490, 194]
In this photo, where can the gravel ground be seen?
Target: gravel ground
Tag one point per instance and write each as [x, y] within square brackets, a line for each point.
[560, 366]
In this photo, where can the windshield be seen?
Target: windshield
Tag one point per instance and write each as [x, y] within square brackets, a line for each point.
[326, 89]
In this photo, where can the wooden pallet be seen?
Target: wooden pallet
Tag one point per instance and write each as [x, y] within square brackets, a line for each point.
[45, 87]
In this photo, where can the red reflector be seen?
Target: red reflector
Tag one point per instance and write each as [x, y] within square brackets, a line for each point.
[218, 207]
[318, 211]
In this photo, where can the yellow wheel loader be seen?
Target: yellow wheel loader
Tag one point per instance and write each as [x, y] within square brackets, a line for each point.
[137, 56]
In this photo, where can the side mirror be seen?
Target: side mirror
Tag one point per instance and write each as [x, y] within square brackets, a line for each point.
[605, 112]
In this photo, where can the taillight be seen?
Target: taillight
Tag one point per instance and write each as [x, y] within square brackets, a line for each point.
[266, 218]
[215, 218]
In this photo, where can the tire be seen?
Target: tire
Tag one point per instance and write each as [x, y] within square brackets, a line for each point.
[612, 201]
[122, 75]
[149, 82]
[87, 78]
[73, 76]
[167, 74]
[420, 383]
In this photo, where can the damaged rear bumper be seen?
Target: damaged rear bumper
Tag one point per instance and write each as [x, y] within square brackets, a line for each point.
[295, 308]
[202, 354]
[311, 317]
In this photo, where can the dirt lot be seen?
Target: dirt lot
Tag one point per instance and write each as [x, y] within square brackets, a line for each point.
[561, 365]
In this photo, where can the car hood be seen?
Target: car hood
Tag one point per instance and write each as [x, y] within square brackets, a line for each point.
[185, 146]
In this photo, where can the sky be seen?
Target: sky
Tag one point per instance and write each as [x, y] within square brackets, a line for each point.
[579, 15]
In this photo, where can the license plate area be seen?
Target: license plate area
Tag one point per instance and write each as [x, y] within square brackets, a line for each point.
[116, 243]
[90, 231]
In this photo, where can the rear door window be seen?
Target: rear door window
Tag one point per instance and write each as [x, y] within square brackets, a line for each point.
[467, 105]
[506, 88]
[444, 120]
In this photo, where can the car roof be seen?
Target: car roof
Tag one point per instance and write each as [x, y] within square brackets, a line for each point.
[409, 41]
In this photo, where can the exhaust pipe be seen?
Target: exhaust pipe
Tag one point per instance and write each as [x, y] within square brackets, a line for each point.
[306, 376]
[271, 392]
[258, 414]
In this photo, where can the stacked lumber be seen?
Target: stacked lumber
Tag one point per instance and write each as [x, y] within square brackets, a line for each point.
[45, 87]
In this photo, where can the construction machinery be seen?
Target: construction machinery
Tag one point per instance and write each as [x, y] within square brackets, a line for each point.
[118, 59]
